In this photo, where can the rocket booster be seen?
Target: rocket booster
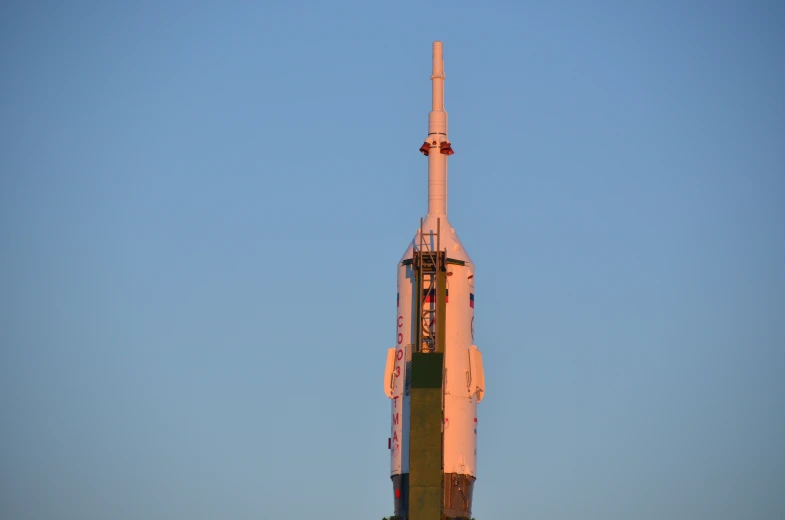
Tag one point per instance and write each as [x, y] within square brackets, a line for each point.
[434, 374]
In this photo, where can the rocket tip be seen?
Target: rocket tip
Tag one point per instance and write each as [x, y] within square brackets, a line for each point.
[438, 59]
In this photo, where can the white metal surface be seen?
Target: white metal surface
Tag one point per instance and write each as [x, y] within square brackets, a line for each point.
[389, 373]
[437, 133]
[464, 381]
[399, 444]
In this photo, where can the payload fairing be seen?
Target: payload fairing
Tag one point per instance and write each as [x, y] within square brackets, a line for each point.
[434, 374]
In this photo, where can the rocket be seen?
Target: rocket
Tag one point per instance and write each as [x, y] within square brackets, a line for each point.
[434, 375]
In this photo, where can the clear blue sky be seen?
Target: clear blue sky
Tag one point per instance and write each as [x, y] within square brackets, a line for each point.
[202, 207]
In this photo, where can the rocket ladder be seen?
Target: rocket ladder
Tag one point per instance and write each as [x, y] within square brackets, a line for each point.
[429, 266]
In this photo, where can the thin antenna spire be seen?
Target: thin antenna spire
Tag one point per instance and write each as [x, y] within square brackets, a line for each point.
[437, 145]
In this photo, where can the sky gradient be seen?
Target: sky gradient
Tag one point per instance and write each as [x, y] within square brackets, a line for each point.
[202, 206]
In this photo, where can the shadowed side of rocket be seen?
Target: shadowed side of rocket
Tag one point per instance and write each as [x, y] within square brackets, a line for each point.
[434, 374]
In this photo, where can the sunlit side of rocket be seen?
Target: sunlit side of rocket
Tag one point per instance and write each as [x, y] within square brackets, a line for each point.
[434, 374]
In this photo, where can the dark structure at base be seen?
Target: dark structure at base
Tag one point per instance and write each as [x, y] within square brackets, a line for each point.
[401, 489]
[457, 496]
[458, 491]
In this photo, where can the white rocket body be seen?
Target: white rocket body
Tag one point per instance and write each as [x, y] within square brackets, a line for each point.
[463, 380]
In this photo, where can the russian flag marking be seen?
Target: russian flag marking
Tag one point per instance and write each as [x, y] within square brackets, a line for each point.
[429, 296]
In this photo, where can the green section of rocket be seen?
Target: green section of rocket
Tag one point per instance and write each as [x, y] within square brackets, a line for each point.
[425, 437]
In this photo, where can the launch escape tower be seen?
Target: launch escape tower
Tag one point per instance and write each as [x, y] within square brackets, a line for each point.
[434, 375]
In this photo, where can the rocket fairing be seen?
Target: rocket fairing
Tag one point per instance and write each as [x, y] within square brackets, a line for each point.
[434, 374]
